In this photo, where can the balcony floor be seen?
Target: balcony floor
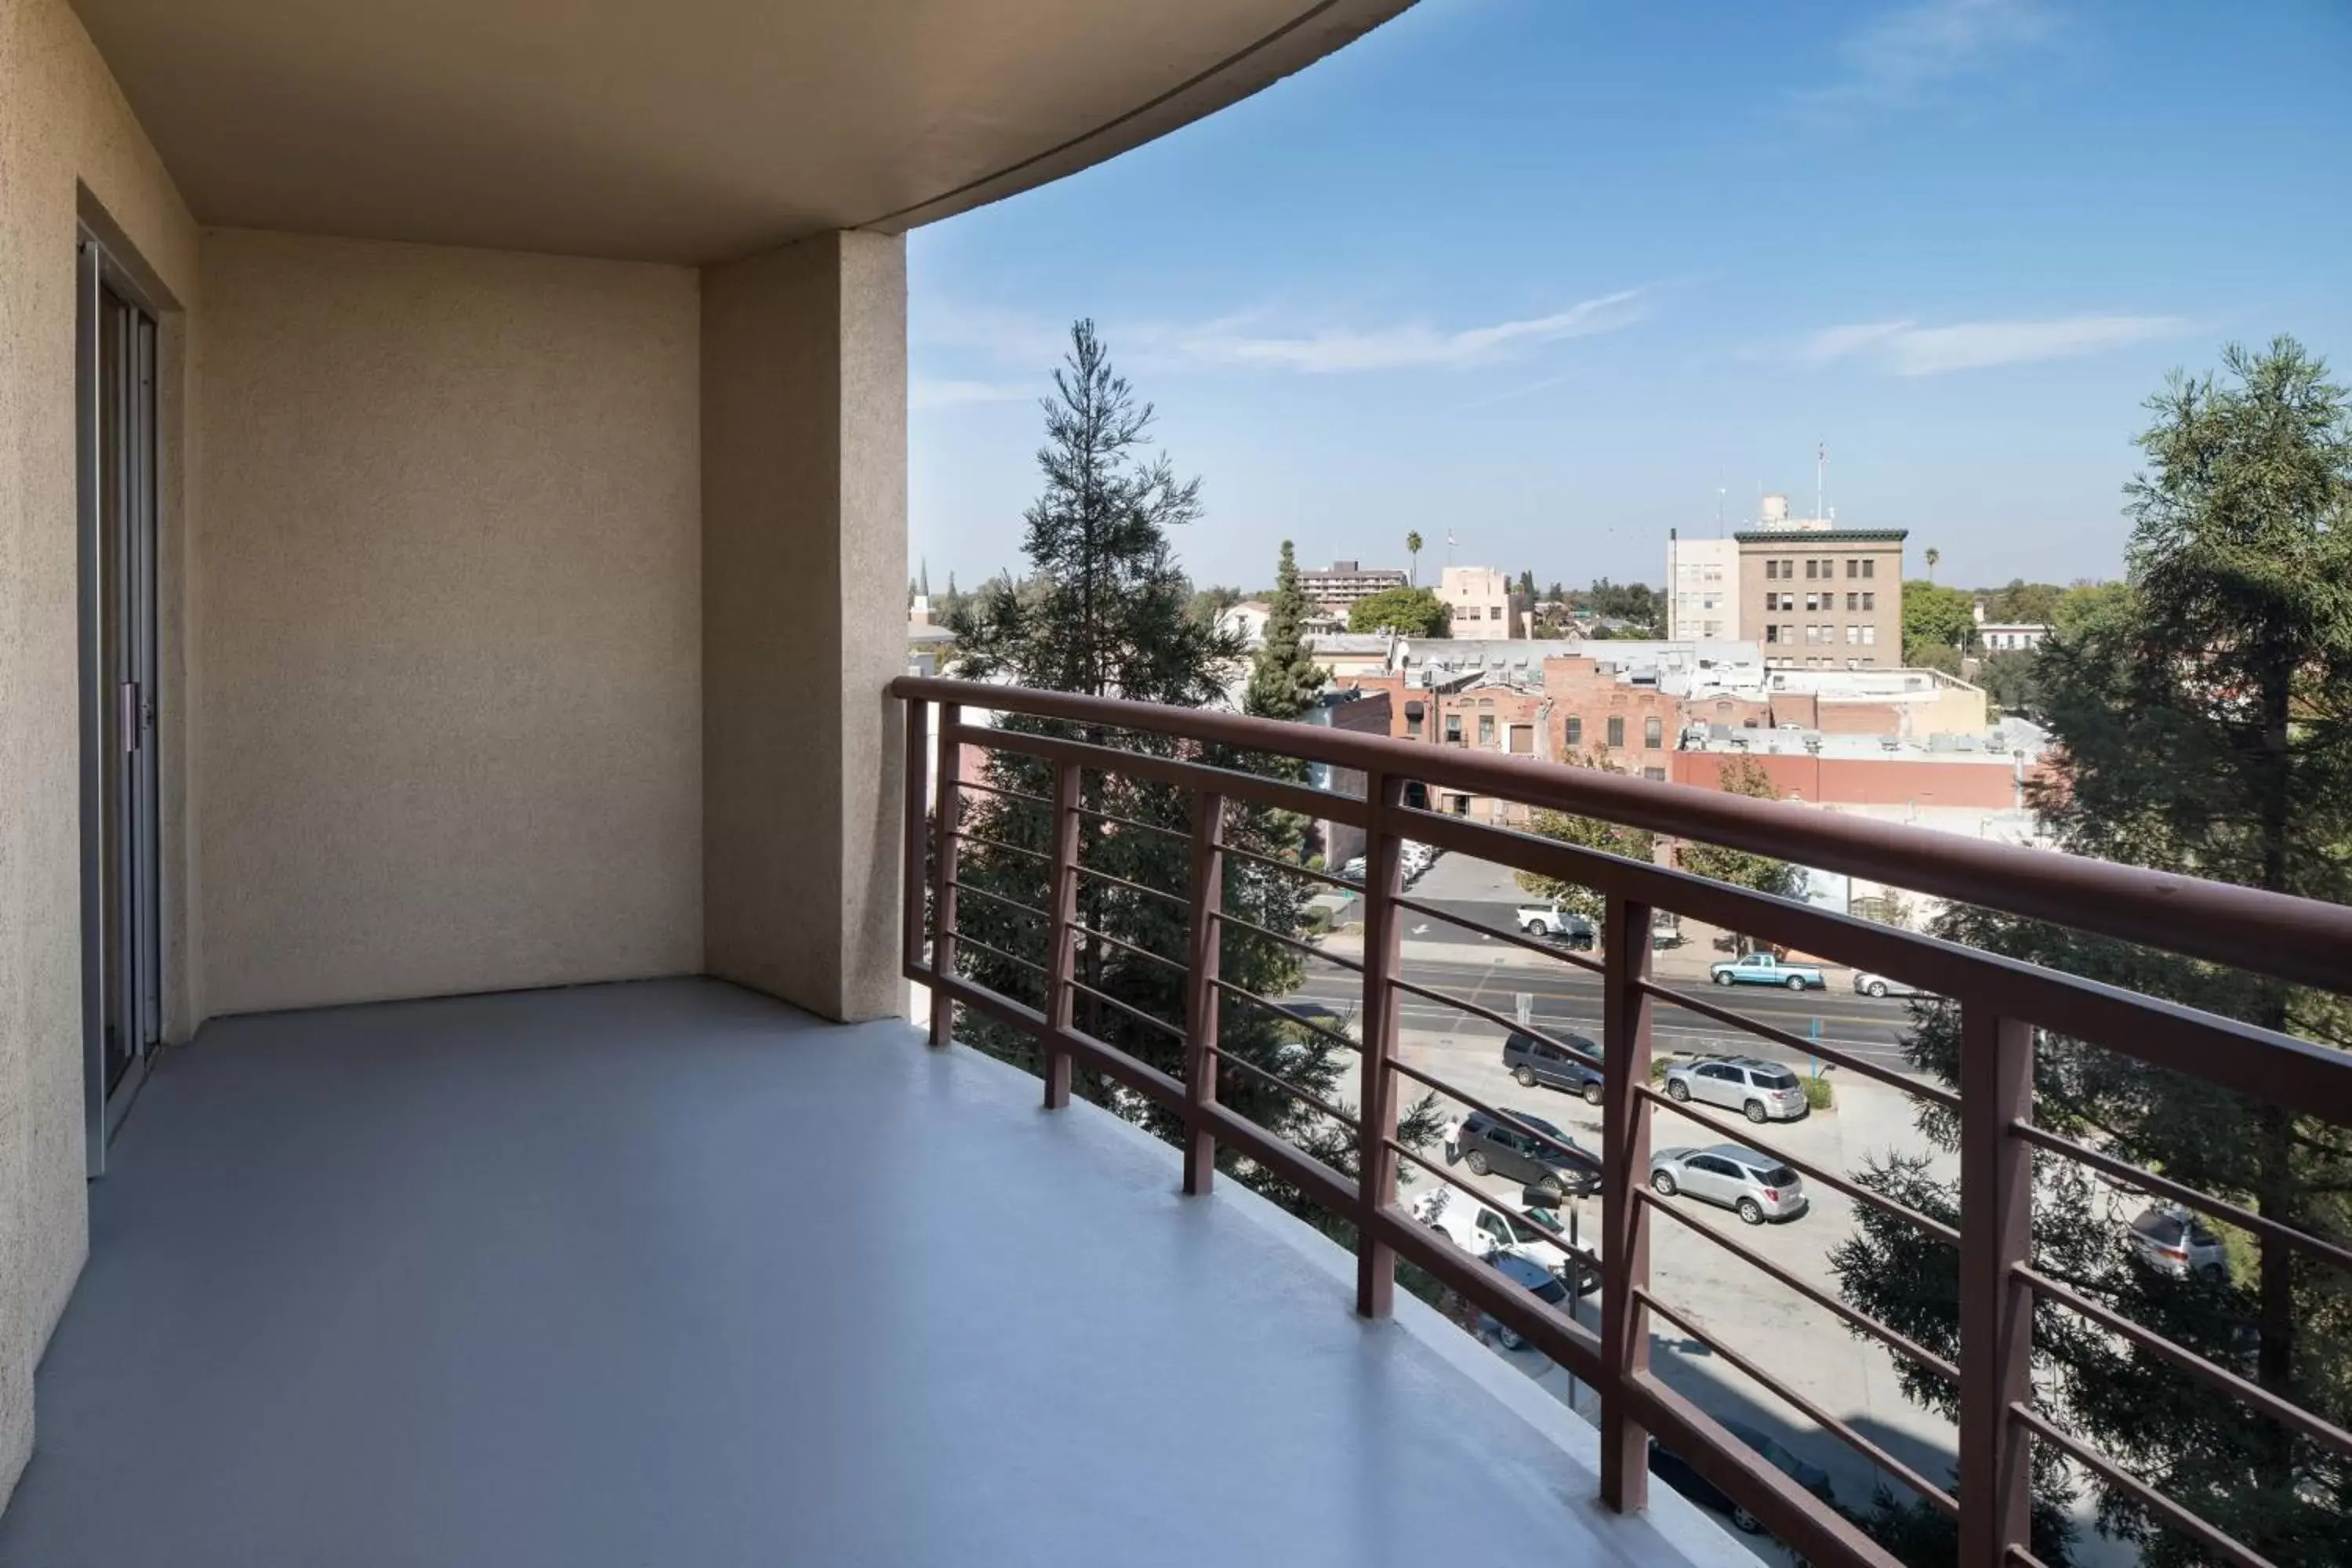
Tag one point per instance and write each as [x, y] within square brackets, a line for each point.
[668, 1273]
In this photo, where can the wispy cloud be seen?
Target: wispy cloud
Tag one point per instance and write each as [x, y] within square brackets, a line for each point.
[1414, 346]
[1907, 348]
[1907, 57]
[933, 391]
[1253, 341]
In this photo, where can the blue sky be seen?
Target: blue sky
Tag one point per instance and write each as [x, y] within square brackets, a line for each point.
[1547, 274]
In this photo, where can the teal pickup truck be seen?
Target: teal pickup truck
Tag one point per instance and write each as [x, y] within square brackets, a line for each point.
[1763, 969]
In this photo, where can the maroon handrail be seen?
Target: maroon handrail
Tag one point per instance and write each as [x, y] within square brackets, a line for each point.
[2293, 939]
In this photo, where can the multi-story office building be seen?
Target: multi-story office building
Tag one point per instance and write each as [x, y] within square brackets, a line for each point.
[1701, 589]
[1818, 597]
[1346, 582]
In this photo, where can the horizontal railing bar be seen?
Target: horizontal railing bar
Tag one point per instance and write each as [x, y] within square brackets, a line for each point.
[1787, 1041]
[2286, 1410]
[1300, 944]
[1199, 777]
[1292, 867]
[1135, 821]
[1794, 1516]
[1118, 881]
[1335, 1037]
[1516, 939]
[2296, 939]
[1510, 1024]
[1039, 800]
[964, 939]
[1742, 1136]
[2219, 1208]
[959, 884]
[1427, 1080]
[1142, 1077]
[1318, 1180]
[1581, 1253]
[2171, 1512]
[1277, 1081]
[1944, 1502]
[1138, 1014]
[1555, 1334]
[1894, 1338]
[969, 836]
[1136, 948]
[2024, 1558]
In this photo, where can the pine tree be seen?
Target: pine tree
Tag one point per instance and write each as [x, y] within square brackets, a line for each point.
[1284, 678]
[2205, 716]
[1104, 612]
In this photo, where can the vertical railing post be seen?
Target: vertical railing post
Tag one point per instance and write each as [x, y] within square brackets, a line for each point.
[915, 873]
[1061, 935]
[1201, 989]
[947, 804]
[1625, 1010]
[1996, 1308]
[1376, 1102]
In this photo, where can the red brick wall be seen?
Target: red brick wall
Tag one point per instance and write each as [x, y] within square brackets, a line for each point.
[1860, 719]
[1579, 689]
[1862, 780]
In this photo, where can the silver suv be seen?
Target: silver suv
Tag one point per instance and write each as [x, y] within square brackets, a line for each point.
[1756, 1186]
[1760, 1090]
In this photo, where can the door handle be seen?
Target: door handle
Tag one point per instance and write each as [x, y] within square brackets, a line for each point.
[128, 714]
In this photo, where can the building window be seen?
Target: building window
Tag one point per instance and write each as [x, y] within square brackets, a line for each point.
[1523, 740]
[1853, 601]
[1711, 601]
[1852, 566]
[1461, 804]
[1575, 733]
[1788, 570]
[1494, 612]
[1454, 729]
[1713, 574]
[1654, 732]
[1853, 636]
[1772, 634]
[1772, 571]
[1829, 568]
[1485, 729]
[1810, 572]
[1656, 775]
[1869, 636]
[1413, 720]
[1616, 732]
[1870, 600]
[1869, 566]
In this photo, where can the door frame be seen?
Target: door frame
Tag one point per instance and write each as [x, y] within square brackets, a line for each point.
[97, 273]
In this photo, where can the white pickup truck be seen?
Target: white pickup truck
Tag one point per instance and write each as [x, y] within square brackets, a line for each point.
[1552, 920]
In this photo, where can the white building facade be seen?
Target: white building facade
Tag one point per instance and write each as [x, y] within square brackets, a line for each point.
[1701, 589]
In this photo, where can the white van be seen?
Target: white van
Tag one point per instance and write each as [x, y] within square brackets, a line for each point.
[1482, 1229]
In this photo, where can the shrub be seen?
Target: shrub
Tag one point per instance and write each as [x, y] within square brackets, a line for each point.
[1819, 1095]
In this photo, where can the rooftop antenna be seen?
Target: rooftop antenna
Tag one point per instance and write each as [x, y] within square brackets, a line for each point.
[1820, 478]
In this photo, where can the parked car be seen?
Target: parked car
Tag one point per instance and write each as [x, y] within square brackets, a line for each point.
[1757, 1188]
[1540, 1062]
[2171, 1241]
[1528, 1275]
[1551, 920]
[1760, 1090]
[1764, 969]
[1482, 1230]
[1493, 1148]
[1417, 858]
[1669, 1468]
[1351, 869]
[1869, 985]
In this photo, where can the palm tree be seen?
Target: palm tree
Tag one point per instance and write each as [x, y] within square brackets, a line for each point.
[1412, 550]
[1933, 555]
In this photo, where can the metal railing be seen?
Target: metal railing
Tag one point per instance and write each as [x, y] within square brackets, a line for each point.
[2003, 1004]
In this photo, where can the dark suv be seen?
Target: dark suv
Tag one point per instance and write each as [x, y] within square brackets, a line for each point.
[1533, 1061]
[1496, 1148]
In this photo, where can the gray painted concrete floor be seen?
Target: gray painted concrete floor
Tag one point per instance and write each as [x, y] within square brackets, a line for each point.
[668, 1273]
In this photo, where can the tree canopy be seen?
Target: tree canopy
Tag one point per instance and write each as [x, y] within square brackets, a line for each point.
[1413, 611]
[2204, 719]
[1585, 832]
[1936, 618]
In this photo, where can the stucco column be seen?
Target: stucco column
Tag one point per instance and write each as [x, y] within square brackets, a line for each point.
[803, 618]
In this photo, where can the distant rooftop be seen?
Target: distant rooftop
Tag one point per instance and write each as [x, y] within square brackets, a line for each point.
[1822, 535]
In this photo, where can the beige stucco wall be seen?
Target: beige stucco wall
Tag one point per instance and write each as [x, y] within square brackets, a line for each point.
[804, 542]
[68, 147]
[449, 582]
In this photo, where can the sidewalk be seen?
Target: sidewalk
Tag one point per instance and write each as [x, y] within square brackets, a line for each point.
[1687, 960]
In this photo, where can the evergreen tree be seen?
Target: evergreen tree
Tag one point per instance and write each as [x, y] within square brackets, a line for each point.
[1283, 680]
[2205, 718]
[1105, 612]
